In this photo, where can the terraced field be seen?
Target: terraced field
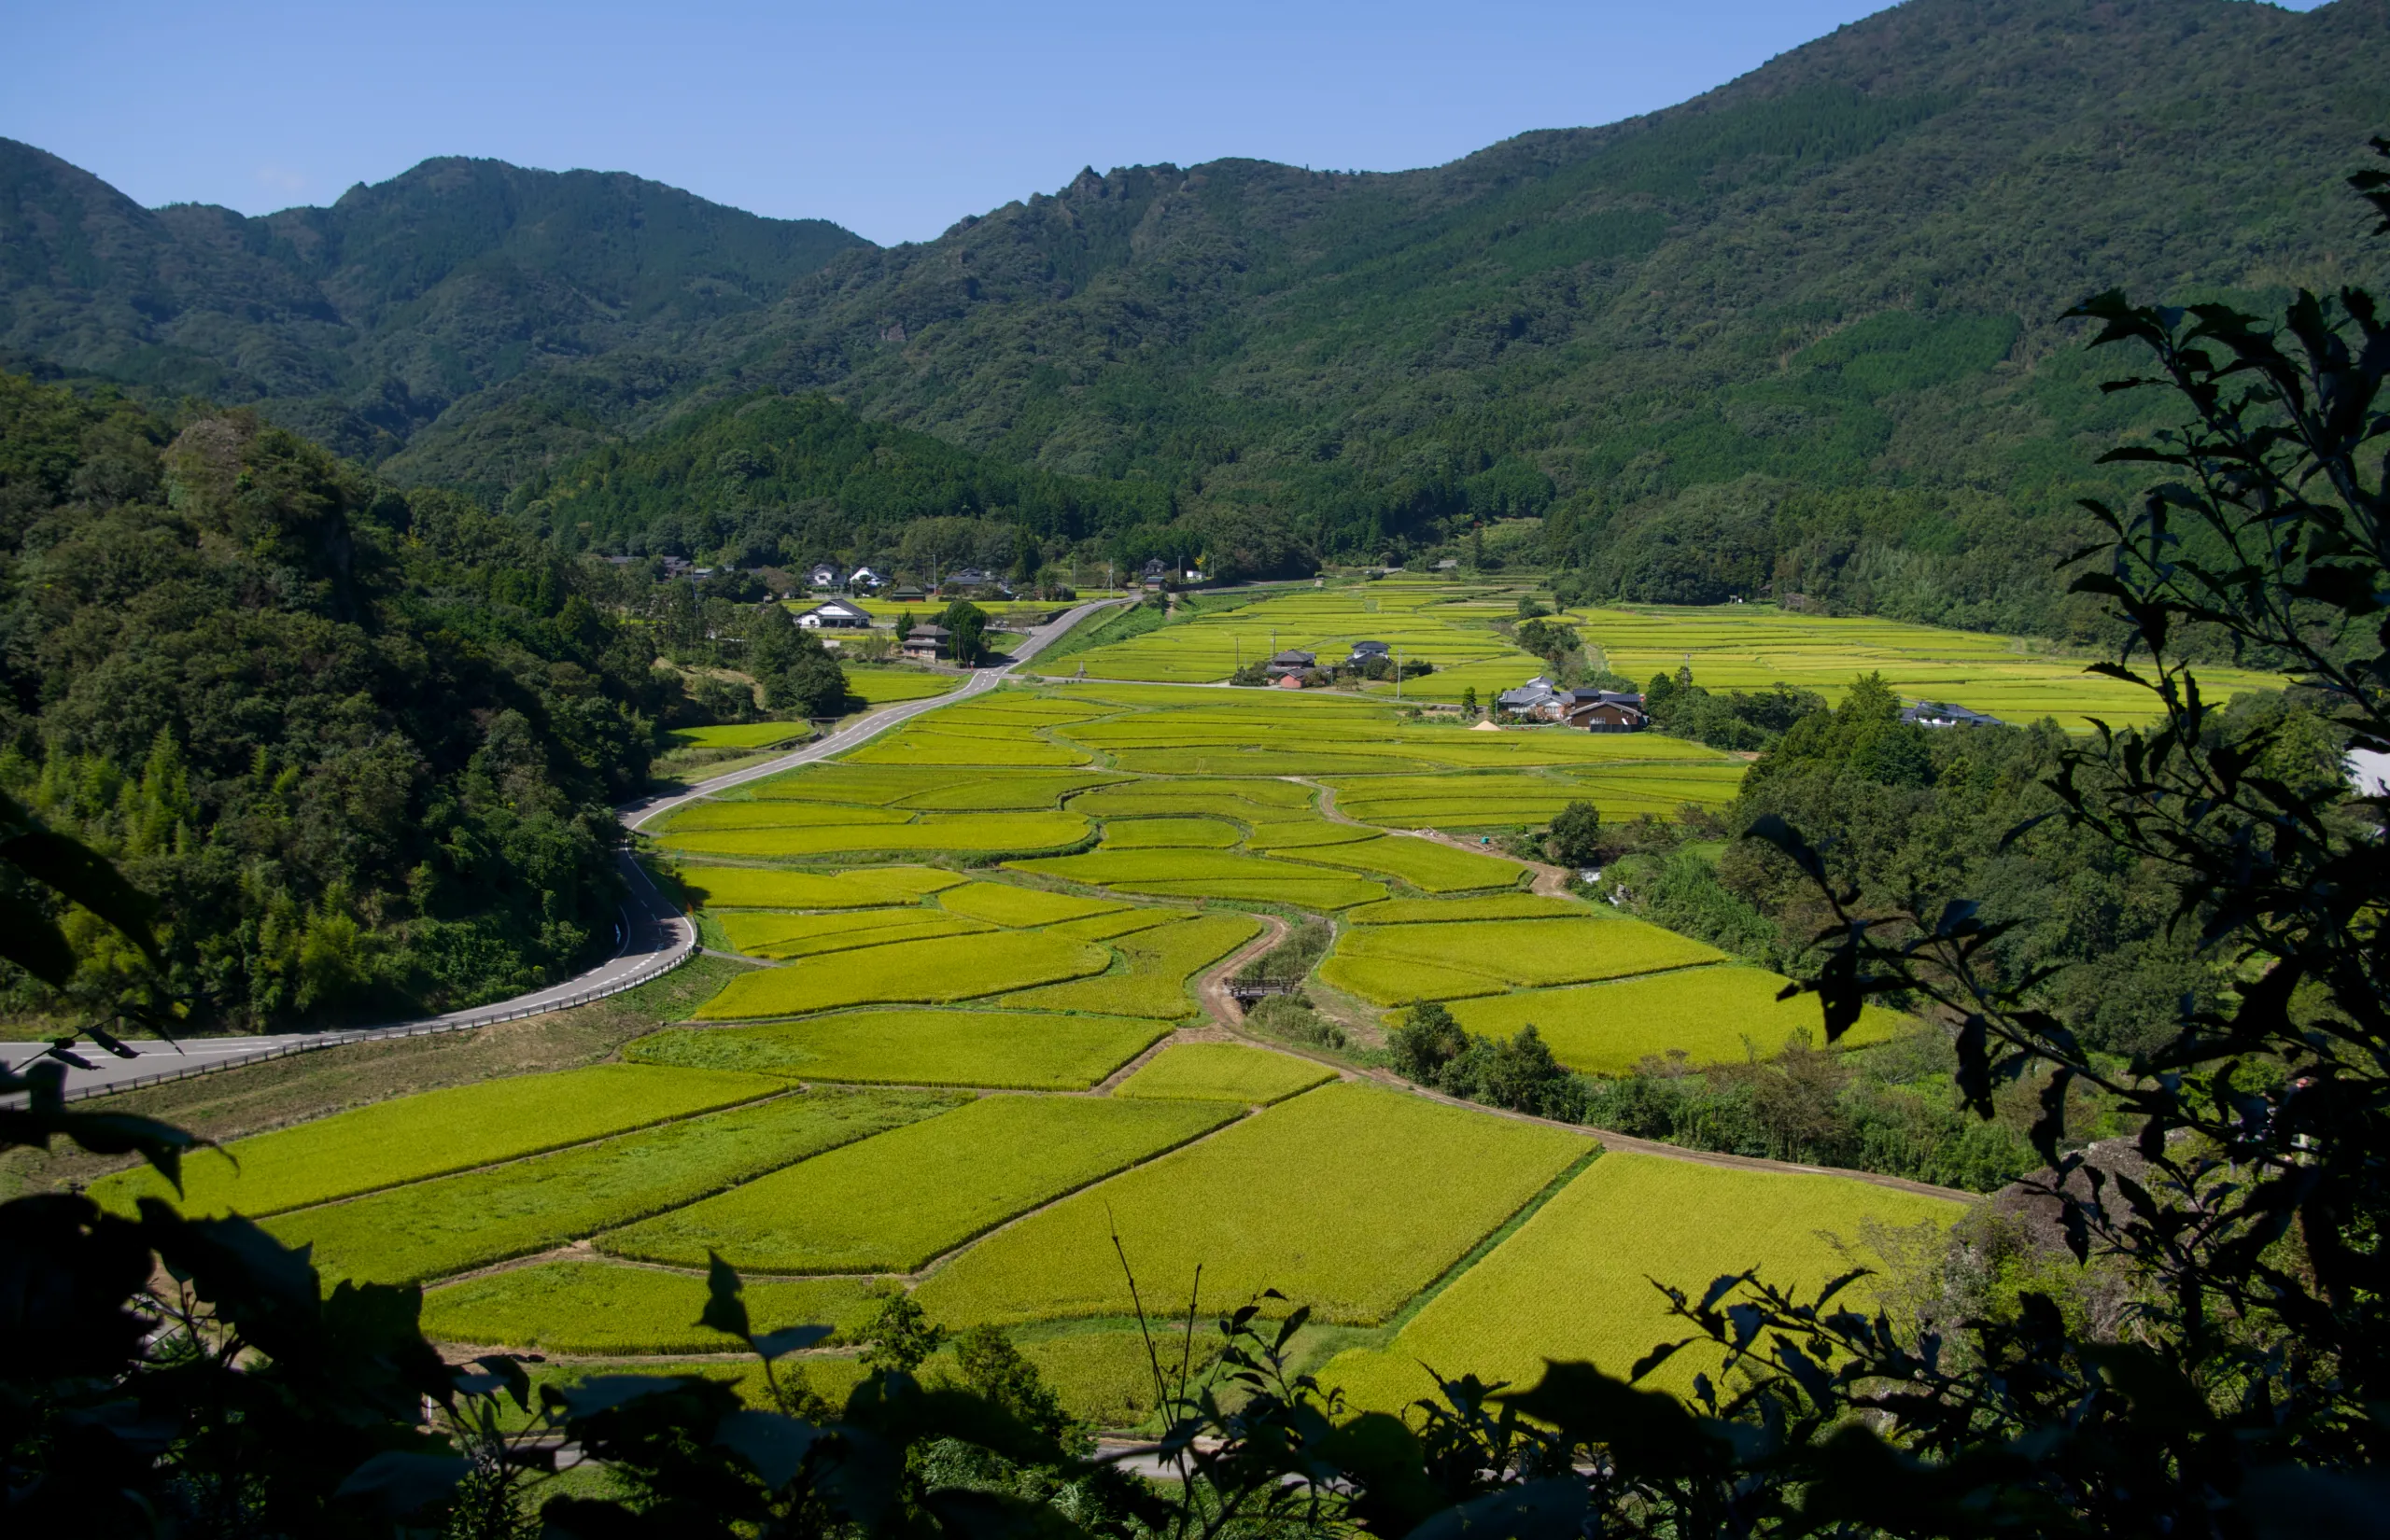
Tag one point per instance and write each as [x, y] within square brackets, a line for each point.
[976, 1039]
[1575, 1281]
[1749, 647]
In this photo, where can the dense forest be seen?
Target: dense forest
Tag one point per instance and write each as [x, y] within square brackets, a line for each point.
[1804, 331]
[360, 743]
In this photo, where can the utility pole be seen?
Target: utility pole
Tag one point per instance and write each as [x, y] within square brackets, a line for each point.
[1397, 673]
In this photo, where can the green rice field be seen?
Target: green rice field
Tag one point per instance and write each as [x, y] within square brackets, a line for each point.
[432, 1229]
[968, 1046]
[1224, 1071]
[1011, 1050]
[431, 1134]
[1711, 1014]
[743, 735]
[1576, 1280]
[932, 971]
[877, 687]
[1261, 1206]
[890, 1204]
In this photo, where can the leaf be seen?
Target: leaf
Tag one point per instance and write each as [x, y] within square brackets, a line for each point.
[32, 941]
[774, 1446]
[402, 1483]
[724, 1311]
[74, 871]
[605, 1391]
[788, 1339]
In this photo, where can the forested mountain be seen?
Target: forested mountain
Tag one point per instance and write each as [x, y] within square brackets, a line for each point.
[362, 322]
[359, 744]
[1804, 328]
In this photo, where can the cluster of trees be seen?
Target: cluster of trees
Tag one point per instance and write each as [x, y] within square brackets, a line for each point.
[360, 744]
[1739, 720]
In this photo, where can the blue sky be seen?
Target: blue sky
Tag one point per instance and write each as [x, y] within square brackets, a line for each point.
[893, 119]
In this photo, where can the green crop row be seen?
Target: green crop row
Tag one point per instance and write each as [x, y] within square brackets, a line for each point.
[1160, 961]
[933, 832]
[1001, 904]
[1299, 893]
[1507, 951]
[890, 686]
[1319, 1198]
[1430, 867]
[1711, 1014]
[426, 1135]
[1223, 1071]
[933, 972]
[743, 735]
[1575, 1281]
[1004, 1049]
[1504, 907]
[701, 816]
[607, 1307]
[890, 1204]
[924, 746]
[431, 1229]
[1169, 833]
[764, 935]
[761, 888]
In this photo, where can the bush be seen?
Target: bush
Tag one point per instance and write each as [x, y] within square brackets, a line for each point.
[1576, 837]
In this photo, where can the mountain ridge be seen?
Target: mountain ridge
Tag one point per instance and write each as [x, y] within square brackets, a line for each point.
[1819, 303]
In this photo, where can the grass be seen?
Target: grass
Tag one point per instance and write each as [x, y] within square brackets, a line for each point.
[1432, 911]
[743, 735]
[1575, 1281]
[1298, 836]
[1013, 1050]
[761, 934]
[431, 1229]
[751, 886]
[1319, 1198]
[1223, 1071]
[1000, 904]
[890, 1204]
[1711, 1015]
[1424, 864]
[1170, 834]
[1101, 1373]
[416, 1137]
[933, 972]
[965, 832]
[595, 1308]
[1160, 961]
[1521, 952]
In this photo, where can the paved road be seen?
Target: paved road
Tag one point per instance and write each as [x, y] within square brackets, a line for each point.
[653, 936]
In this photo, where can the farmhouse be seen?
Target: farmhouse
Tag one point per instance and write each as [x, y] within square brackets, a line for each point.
[908, 594]
[926, 642]
[823, 576]
[1364, 650]
[834, 614]
[863, 578]
[1944, 714]
[1606, 716]
[1537, 698]
[1290, 662]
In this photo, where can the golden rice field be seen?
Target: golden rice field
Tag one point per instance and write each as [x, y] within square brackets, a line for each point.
[1575, 1281]
[970, 1046]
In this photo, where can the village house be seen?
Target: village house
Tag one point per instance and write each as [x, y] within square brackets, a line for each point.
[1364, 650]
[1290, 662]
[864, 578]
[823, 576]
[834, 614]
[1613, 715]
[1537, 700]
[926, 643]
[907, 594]
[1944, 714]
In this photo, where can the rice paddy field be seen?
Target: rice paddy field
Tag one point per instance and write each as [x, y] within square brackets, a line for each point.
[979, 1031]
[1728, 647]
[1752, 646]
[1575, 1281]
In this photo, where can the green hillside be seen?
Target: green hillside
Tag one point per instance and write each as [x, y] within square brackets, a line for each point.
[1803, 330]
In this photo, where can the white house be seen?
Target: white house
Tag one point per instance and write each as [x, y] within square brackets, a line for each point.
[823, 576]
[835, 615]
[863, 578]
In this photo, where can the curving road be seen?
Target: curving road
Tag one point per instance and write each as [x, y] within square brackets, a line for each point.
[651, 935]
